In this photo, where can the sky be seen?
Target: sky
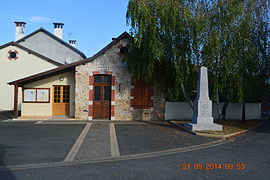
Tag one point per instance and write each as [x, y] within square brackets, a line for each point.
[93, 23]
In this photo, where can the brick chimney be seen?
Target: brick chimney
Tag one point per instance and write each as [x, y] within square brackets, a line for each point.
[58, 30]
[72, 43]
[19, 30]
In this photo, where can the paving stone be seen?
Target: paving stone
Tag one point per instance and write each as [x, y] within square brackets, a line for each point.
[96, 143]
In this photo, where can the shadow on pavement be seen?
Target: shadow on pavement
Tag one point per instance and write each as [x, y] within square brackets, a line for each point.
[5, 173]
[167, 125]
[265, 128]
[5, 115]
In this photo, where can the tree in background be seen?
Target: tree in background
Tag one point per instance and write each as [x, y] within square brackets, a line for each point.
[166, 43]
[172, 38]
[232, 53]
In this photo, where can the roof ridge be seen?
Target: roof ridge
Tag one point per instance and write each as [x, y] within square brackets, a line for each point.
[12, 43]
[54, 37]
[68, 66]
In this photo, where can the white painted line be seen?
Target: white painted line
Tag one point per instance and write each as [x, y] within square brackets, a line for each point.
[90, 118]
[114, 144]
[39, 122]
[112, 118]
[75, 148]
[8, 120]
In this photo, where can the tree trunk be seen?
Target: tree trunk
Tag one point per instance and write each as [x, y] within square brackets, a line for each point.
[224, 109]
[188, 100]
[218, 107]
[244, 113]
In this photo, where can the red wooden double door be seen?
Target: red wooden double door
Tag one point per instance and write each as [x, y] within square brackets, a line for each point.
[102, 97]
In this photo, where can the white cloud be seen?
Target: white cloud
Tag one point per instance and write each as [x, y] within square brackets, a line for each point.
[38, 19]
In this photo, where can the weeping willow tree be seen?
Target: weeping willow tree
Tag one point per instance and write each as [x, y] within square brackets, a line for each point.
[233, 51]
[166, 39]
[172, 38]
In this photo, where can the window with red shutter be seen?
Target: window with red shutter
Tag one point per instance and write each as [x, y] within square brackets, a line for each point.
[142, 93]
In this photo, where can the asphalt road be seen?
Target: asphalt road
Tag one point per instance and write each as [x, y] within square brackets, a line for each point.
[142, 138]
[25, 143]
[252, 149]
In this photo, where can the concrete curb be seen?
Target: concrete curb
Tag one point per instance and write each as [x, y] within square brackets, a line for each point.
[183, 128]
[215, 135]
[161, 123]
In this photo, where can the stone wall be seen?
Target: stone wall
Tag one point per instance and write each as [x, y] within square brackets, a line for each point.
[159, 103]
[81, 93]
[121, 90]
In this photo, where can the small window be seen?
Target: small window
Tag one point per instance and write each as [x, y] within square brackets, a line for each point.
[124, 50]
[13, 55]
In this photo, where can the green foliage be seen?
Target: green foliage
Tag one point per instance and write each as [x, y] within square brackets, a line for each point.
[172, 38]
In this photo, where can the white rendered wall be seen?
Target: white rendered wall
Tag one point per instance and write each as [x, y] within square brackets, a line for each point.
[45, 109]
[26, 65]
[182, 111]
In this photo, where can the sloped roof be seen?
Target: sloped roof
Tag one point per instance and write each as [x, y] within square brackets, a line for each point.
[54, 37]
[31, 52]
[68, 67]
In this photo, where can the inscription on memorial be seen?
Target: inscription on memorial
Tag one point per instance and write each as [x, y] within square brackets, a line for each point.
[204, 110]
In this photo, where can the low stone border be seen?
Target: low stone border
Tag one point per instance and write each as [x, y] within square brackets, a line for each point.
[183, 128]
[216, 135]
[153, 122]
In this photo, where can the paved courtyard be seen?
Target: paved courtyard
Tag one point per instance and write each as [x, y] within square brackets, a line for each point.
[125, 150]
[43, 142]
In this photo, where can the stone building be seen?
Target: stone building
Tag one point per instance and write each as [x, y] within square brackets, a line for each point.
[99, 87]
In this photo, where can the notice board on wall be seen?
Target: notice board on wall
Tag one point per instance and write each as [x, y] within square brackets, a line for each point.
[36, 95]
[29, 95]
[42, 95]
